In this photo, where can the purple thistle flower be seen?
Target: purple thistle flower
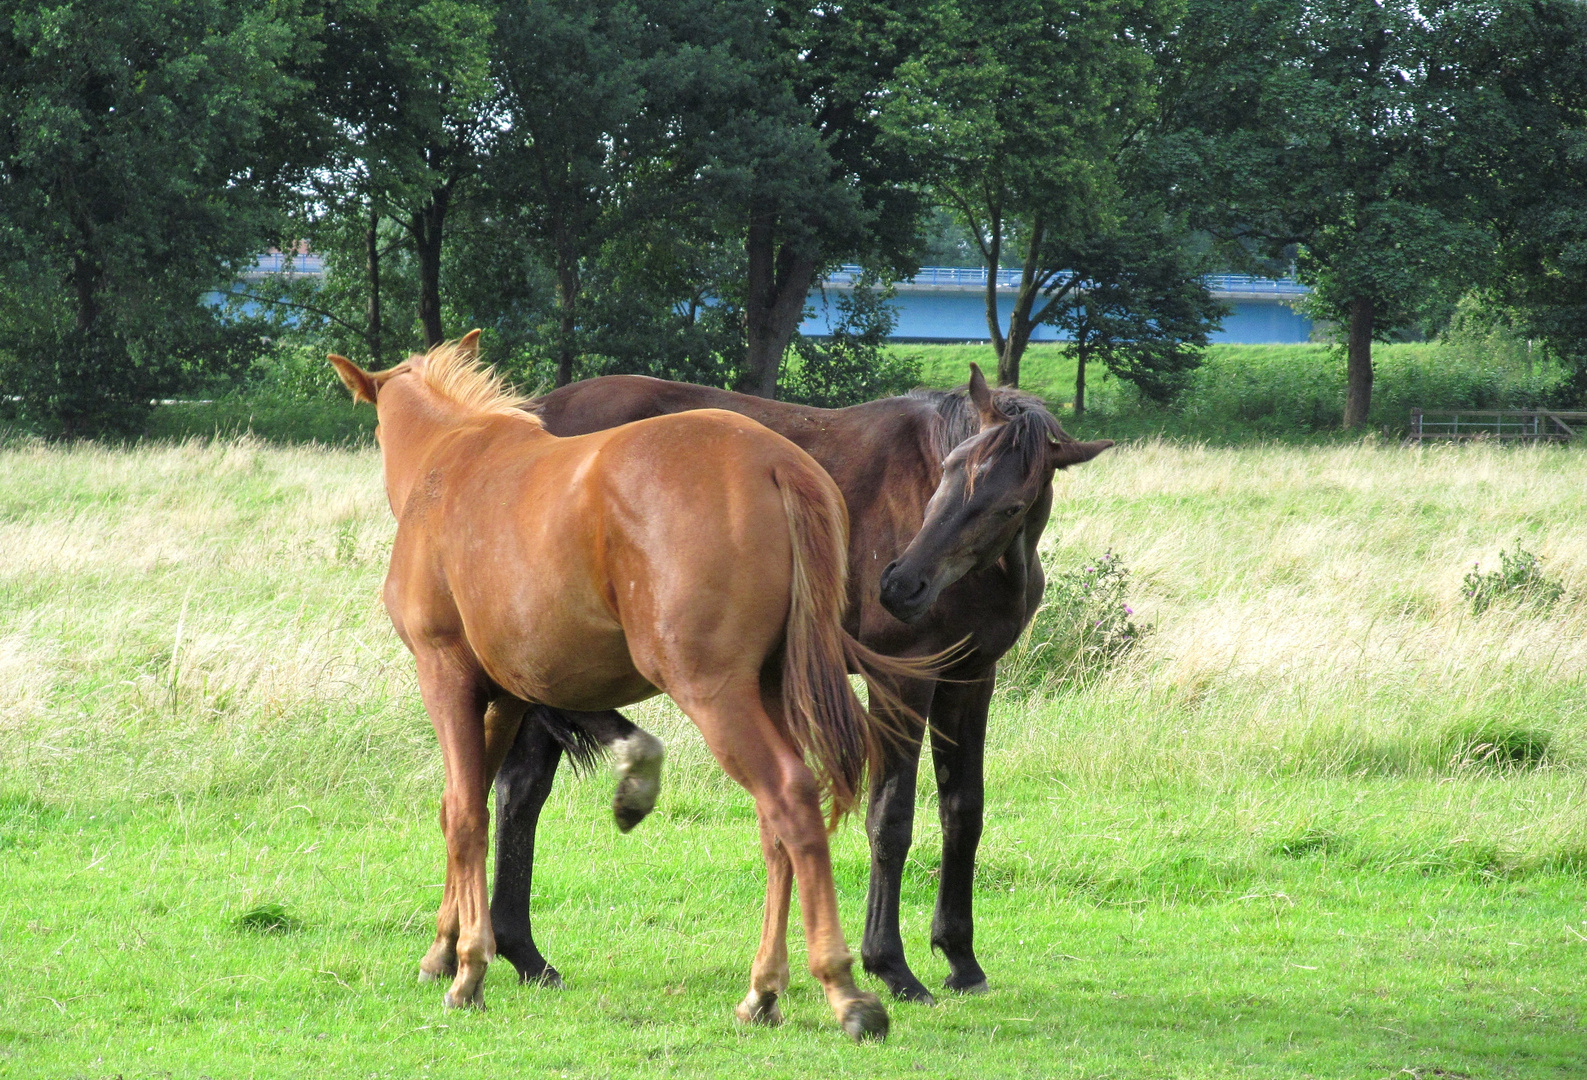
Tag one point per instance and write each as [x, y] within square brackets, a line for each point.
[1128, 610]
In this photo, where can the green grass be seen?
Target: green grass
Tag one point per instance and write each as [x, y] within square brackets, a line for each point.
[1253, 393]
[1258, 847]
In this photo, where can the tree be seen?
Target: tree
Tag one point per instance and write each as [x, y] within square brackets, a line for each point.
[136, 169]
[599, 99]
[1018, 110]
[1134, 298]
[1536, 57]
[852, 363]
[1346, 130]
[806, 168]
[406, 107]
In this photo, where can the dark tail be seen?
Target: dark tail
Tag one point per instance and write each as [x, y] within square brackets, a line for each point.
[824, 718]
[584, 750]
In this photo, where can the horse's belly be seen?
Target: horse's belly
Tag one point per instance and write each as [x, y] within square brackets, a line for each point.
[585, 672]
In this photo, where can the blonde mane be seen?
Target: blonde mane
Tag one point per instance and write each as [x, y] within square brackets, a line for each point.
[454, 373]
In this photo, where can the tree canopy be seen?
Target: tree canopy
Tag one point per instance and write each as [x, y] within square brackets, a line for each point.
[658, 186]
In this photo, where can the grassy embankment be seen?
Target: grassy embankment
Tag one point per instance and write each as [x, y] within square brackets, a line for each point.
[1243, 393]
[1263, 846]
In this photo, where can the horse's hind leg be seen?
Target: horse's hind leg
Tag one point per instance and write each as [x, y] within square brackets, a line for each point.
[453, 696]
[522, 786]
[768, 976]
[636, 756]
[758, 755]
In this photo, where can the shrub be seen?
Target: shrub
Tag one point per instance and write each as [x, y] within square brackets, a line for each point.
[269, 919]
[1084, 626]
[1520, 579]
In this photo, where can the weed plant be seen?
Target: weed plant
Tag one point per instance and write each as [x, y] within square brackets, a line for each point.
[1519, 580]
[1084, 627]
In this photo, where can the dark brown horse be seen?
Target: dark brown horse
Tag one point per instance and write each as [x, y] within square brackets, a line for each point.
[699, 555]
[948, 493]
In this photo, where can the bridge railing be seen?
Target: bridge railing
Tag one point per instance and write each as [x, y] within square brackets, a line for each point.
[966, 277]
[276, 262]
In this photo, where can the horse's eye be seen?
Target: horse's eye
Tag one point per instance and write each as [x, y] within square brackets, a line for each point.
[1013, 511]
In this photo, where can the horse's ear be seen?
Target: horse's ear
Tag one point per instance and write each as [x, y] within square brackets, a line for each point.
[981, 395]
[468, 344]
[1065, 454]
[355, 378]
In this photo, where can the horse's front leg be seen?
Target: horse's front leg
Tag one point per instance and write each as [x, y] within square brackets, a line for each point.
[502, 720]
[958, 712]
[636, 760]
[889, 823]
[454, 695]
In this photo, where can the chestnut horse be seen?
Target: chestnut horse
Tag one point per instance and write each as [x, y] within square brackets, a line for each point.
[699, 555]
[948, 493]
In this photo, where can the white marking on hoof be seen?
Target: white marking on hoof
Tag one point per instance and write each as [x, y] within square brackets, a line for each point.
[759, 1007]
[637, 761]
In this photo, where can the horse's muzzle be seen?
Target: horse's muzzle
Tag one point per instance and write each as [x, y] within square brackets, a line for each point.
[906, 596]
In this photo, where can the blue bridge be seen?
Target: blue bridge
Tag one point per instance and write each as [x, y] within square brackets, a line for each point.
[948, 303]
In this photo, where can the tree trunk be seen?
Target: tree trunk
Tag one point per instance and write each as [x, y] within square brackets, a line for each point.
[1080, 379]
[372, 264]
[85, 277]
[994, 258]
[1358, 368]
[1019, 321]
[427, 227]
[567, 313]
[779, 282]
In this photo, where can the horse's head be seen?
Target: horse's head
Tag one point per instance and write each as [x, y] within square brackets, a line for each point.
[421, 394]
[990, 485]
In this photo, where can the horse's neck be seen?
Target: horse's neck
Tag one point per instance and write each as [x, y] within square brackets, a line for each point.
[409, 437]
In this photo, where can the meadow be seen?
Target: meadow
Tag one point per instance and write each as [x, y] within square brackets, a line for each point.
[1321, 821]
[1240, 394]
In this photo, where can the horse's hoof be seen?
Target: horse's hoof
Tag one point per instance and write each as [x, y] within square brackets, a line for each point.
[760, 1009]
[966, 986]
[865, 1018]
[476, 1000]
[899, 980]
[548, 978]
[638, 759]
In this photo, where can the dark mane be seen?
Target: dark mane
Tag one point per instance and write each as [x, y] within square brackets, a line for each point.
[1029, 430]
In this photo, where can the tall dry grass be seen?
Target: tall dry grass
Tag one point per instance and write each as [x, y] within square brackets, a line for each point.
[184, 621]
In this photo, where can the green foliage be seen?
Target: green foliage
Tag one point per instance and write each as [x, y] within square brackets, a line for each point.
[269, 918]
[1133, 297]
[1083, 628]
[1492, 744]
[1017, 112]
[853, 364]
[1289, 391]
[1519, 580]
[135, 152]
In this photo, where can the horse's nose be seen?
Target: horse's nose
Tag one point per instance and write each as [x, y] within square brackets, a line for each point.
[900, 589]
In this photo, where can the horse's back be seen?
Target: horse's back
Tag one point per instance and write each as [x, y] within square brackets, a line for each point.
[576, 563]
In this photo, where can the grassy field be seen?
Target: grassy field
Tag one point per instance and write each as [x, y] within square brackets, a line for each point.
[1240, 394]
[1322, 822]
